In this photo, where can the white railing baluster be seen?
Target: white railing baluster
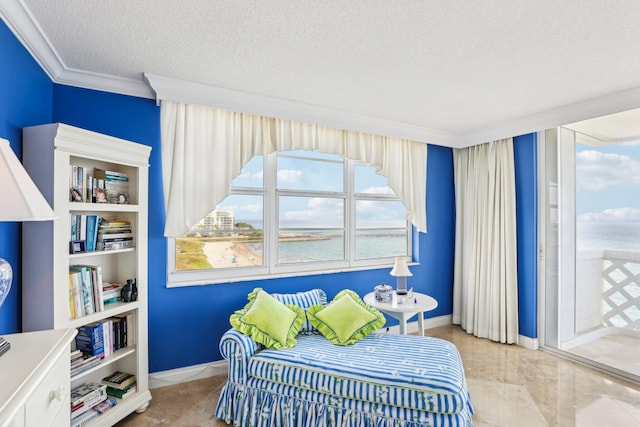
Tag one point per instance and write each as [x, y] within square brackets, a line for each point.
[621, 289]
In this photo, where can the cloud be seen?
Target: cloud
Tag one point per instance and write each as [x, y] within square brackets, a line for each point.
[373, 213]
[611, 215]
[242, 210]
[323, 212]
[378, 190]
[290, 175]
[597, 171]
[250, 177]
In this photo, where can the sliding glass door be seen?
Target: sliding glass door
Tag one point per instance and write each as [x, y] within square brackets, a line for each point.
[590, 249]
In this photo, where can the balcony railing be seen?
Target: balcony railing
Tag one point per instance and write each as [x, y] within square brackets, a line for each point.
[615, 291]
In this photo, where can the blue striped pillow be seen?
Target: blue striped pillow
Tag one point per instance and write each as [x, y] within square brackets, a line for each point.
[304, 300]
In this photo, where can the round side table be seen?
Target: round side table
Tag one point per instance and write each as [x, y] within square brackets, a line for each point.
[403, 308]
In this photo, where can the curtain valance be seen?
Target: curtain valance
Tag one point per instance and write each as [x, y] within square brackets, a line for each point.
[204, 148]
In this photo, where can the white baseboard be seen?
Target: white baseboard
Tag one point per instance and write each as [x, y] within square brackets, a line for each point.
[188, 373]
[527, 342]
[412, 327]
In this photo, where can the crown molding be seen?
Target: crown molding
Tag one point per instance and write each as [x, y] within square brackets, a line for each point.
[105, 83]
[589, 109]
[27, 30]
[167, 88]
[24, 26]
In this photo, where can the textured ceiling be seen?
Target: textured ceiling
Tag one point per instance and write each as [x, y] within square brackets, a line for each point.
[452, 66]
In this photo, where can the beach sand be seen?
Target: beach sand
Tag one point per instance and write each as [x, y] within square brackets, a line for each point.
[231, 254]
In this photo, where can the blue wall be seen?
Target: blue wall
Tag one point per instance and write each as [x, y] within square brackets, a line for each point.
[525, 158]
[25, 99]
[196, 317]
[185, 324]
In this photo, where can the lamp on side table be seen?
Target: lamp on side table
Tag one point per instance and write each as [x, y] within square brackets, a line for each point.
[401, 271]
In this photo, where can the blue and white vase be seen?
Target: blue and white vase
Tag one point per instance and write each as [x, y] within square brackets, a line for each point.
[383, 293]
[6, 275]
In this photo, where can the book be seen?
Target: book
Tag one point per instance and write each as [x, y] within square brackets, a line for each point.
[86, 288]
[122, 394]
[92, 232]
[105, 405]
[72, 311]
[112, 246]
[120, 380]
[90, 340]
[84, 418]
[76, 283]
[96, 285]
[89, 394]
[124, 330]
[106, 336]
[84, 363]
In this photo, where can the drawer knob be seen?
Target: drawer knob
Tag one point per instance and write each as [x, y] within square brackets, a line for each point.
[57, 394]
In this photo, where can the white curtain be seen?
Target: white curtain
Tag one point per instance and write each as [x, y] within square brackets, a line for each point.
[204, 148]
[485, 292]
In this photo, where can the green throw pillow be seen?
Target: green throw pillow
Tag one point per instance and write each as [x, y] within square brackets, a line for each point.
[268, 321]
[346, 320]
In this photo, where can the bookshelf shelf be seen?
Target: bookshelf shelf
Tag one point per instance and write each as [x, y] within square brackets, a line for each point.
[119, 354]
[101, 207]
[109, 311]
[54, 155]
[100, 253]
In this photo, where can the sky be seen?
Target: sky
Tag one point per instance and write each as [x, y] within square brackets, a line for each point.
[320, 172]
[608, 183]
[607, 189]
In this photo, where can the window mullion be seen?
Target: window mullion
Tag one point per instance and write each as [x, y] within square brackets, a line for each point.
[271, 211]
[350, 214]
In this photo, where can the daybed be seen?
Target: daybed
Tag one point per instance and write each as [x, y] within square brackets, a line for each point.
[382, 380]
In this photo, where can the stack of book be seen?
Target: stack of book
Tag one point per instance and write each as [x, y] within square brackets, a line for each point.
[90, 340]
[83, 401]
[81, 362]
[111, 293]
[120, 384]
[113, 234]
[115, 184]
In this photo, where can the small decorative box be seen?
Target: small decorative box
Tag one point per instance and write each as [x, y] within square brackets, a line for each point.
[383, 293]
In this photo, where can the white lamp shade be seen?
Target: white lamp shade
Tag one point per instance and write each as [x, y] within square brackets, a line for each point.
[20, 199]
[400, 268]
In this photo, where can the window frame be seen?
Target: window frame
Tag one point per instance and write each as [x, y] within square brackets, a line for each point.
[271, 268]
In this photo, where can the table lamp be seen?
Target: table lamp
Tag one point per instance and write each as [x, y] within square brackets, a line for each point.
[401, 271]
[20, 201]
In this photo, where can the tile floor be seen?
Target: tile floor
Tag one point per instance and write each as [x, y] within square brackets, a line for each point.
[509, 385]
[613, 350]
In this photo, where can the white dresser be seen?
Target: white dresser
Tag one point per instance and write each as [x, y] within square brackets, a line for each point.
[34, 379]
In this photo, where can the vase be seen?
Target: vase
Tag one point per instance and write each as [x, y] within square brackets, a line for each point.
[6, 275]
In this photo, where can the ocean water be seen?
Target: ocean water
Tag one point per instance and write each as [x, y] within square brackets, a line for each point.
[330, 245]
[616, 236]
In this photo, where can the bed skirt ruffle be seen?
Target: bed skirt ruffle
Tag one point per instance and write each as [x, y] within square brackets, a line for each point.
[246, 406]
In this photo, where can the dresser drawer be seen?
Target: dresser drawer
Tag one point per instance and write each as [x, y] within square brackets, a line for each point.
[49, 403]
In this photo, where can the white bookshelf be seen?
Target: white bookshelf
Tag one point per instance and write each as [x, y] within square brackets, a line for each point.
[49, 151]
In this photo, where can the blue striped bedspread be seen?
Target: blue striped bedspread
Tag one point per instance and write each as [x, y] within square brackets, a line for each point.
[420, 373]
